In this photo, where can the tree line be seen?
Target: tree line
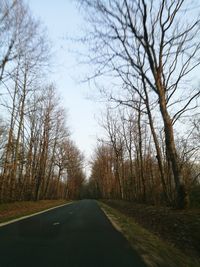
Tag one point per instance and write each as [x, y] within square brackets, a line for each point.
[38, 159]
[148, 55]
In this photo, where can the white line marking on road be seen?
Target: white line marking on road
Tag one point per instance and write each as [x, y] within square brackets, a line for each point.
[31, 215]
[56, 223]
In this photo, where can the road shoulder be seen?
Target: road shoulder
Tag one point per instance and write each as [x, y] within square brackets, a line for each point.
[154, 251]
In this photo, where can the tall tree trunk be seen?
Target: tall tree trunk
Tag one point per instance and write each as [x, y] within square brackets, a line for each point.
[182, 198]
[157, 146]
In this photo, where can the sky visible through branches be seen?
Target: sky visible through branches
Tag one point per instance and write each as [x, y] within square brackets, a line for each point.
[63, 22]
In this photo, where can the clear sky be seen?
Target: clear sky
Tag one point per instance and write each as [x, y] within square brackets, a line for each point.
[63, 20]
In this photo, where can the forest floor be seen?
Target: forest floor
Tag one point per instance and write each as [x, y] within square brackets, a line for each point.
[10, 211]
[178, 228]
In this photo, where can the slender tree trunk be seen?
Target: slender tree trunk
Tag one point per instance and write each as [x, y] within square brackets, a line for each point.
[9, 146]
[17, 145]
[117, 176]
[141, 156]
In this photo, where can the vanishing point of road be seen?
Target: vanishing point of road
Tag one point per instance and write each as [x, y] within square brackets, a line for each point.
[74, 235]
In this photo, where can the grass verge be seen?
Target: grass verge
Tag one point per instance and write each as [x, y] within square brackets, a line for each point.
[10, 211]
[154, 251]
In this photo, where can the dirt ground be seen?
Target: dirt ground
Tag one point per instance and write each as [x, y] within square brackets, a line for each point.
[179, 227]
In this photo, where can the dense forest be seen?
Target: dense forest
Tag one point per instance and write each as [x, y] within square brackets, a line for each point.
[145, 58]
[38, 158]
[134, 200]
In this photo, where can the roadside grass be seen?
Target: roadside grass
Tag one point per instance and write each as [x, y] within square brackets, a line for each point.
[10, 211]
[155, 252]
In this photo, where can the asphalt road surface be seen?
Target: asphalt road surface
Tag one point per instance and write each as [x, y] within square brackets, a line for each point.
[75, 235]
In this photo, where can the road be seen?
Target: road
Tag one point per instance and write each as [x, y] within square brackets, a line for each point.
[75, 235]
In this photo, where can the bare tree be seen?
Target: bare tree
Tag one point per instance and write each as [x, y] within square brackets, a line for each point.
[154, 42]
[74, 166]
[113, 130]
[20, 36]
[103, 183]
[35, 155]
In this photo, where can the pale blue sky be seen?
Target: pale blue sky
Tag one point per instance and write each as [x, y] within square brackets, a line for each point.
[62, 20]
